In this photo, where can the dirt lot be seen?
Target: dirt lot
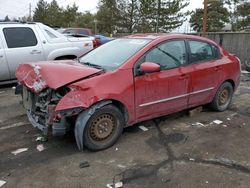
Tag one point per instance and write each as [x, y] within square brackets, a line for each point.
[174, 152]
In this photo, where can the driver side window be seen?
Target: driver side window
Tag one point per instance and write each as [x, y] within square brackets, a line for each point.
[169, 55]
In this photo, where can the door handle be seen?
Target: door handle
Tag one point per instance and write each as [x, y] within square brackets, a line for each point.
[183, 77]
[35, 52]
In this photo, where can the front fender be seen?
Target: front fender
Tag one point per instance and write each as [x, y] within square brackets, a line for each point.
[74, 99]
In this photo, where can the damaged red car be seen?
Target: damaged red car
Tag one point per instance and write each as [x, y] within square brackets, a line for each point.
[126, 81]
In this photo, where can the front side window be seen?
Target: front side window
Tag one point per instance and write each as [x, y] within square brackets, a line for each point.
[200, 51]
[169, 55]
[17, 37]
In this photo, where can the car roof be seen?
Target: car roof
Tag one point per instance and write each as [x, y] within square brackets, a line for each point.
[160, 36]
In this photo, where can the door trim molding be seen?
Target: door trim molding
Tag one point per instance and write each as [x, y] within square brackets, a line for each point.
[176, 97]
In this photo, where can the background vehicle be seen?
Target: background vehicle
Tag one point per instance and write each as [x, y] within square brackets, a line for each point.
[26, 42]
[127, 81]
[104, 39]
[81, 32]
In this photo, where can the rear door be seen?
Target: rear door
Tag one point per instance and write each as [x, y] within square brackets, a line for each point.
[166, 91]
[4, 68]
[21, 46]
[206, 71]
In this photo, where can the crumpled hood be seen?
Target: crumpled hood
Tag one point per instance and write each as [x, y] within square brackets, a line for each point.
[53, 74]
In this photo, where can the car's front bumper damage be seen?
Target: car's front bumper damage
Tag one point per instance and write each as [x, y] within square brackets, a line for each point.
[57, 128]
[41, 112]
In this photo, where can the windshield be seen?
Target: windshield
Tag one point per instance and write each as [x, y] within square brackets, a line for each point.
[113, 54]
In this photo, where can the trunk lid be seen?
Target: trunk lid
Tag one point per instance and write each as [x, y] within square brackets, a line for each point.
[53, 74]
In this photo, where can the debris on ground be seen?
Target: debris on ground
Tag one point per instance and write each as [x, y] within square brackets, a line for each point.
[41, 138]
[2, 182]
[224, 126]
[218, 122]
[198, 124]
[116, 185]
[40, 147]
[116, 149]
[245, 72]
[143, 128]
[191, 159]
[228, 119]
[195, 111]
[121, 166]
[84, 164]
[234, 114]
[20, 150]
[2, 92]
[14, 87]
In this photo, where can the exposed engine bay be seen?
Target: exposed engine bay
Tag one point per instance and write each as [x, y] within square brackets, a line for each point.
[41, 107]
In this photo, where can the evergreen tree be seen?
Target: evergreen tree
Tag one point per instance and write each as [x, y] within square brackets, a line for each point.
[243, 13]
[54, 16]
[217, 16]
[41, 12]
[69, 16]
[85, 20]
[6, 19]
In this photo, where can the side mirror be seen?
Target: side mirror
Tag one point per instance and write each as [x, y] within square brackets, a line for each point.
[149, 67]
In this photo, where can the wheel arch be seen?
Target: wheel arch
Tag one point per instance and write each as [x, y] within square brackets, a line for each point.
[65, 57]
[231, 82]
[117, 104]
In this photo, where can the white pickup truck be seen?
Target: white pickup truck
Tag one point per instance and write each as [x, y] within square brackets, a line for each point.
[30, 42]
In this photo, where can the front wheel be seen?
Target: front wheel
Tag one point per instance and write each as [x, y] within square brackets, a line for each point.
[223, 97]
[103, 128]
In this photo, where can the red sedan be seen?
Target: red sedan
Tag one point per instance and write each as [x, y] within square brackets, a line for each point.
[127, 81]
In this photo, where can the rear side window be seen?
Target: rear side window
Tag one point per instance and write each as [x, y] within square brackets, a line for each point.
[202, 51]
[17, 37]
[51, 35]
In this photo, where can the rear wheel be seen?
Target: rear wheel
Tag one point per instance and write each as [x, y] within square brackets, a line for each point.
[223, 97]
[103, 128]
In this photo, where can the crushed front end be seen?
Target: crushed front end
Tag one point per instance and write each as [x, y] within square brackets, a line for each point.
[40, 109]
[47, 96]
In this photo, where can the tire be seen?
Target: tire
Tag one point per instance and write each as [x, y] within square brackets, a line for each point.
[223, 97]
[103, 128]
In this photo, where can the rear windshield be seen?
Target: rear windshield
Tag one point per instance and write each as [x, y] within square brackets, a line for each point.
[112, 55]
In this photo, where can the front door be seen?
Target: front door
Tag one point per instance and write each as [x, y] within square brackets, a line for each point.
[22, 46]
[4, 69]
[163, 92]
